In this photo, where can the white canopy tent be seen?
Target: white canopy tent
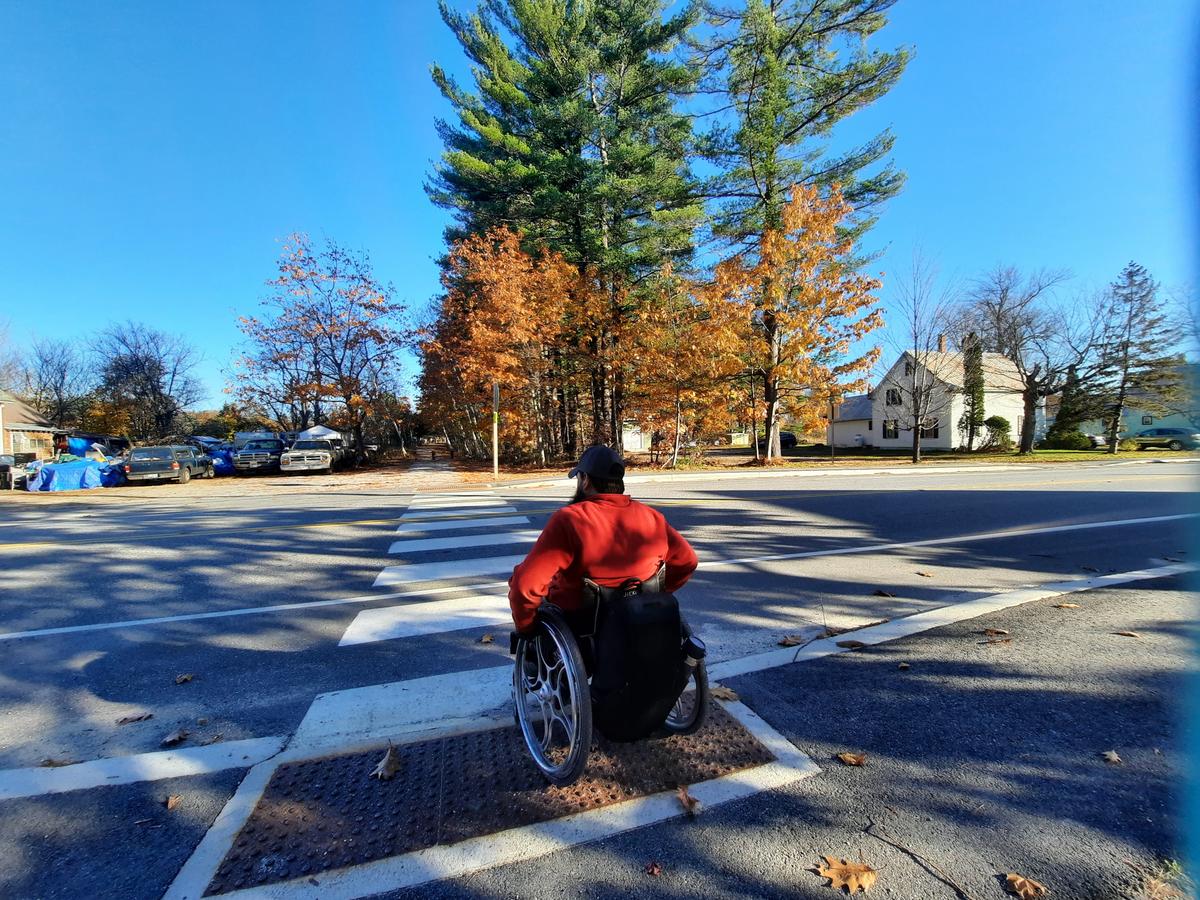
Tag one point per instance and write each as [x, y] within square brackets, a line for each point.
[319, 433]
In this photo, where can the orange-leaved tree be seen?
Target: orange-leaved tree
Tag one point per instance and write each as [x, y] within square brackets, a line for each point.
[329, 343]
[685, 343]
[808, 306]
[502, 319]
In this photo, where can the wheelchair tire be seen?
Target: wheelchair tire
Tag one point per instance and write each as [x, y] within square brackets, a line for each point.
[559, 684]
[688, 715]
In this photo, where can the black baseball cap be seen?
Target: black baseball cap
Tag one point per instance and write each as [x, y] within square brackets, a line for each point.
[599, 462]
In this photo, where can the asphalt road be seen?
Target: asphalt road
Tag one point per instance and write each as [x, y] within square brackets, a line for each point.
[257, 592]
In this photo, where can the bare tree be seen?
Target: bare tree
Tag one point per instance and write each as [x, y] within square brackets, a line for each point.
[147, 379]
[1014, 316]
[919, 393]
[10, 362]
[57, 380]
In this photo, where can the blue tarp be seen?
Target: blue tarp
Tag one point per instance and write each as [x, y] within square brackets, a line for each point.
[222, 461]
[78, 446]
[74, 476]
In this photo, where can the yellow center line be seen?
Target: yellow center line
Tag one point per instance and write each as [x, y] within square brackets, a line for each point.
[483, 516]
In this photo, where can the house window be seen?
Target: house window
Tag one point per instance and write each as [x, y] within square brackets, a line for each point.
[893, 397]
[1147, 420]
[930, 432]
[870, 424]
[891, 428]
[907, 369]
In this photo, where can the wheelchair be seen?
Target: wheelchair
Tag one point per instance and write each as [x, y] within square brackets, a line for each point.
[554, 669]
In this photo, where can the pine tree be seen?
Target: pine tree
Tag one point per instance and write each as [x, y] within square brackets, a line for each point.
[792, 70]
[971, 421]
[1135, 362]
[573, 138]
[1077, 404]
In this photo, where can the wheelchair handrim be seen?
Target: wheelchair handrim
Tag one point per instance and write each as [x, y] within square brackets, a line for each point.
[557, 695]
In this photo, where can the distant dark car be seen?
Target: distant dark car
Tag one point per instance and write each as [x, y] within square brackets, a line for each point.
[258, 456]
[1171, 438]
[787, 440]
[167, 463]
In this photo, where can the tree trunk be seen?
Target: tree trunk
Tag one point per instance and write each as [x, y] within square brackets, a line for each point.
[1028, 419]
[678, 423]
[1114, 424]
[754, 417]
[916, 444]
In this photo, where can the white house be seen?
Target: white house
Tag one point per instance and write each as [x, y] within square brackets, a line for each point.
[884, 416]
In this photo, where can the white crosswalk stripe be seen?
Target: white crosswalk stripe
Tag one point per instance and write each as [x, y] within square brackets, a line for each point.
[432, 617]
[463, 515]
[465, 540]
[451, 568]
[419, 526]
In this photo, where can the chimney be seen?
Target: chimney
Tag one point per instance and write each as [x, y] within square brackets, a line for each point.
[941, 343]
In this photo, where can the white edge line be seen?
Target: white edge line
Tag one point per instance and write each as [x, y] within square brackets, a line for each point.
[531, 841]
[808, 554]
[201, 866]
[248, 611]
[935, 618]
[155, 766]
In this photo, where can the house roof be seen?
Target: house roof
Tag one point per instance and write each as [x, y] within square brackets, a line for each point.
[18, 416]
[857, 406]
[999, 372]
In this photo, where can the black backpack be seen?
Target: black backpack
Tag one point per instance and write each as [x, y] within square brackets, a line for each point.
[639, 668]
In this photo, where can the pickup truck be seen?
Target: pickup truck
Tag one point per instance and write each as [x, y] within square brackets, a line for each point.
[257, 456]
[173, 463]
[309, 456]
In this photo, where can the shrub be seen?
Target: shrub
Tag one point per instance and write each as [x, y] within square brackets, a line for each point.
[999, 433]
[1126, 444]
[1067, 440]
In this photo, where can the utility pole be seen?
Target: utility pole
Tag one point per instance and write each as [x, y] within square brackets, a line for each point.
[495, 429]
[831, 453]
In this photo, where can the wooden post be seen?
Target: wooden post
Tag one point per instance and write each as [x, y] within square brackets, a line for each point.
[831, 453]
[495, 429]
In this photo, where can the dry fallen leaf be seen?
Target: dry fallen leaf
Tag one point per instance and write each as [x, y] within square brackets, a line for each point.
[54, 763]
[215, 739]
[689, 803]
[1025, 888]
[175, 737]
[1066, 606]
[486, 639]
[136, 717]
[388, 766]
[904, 666]
[1127, 634]
[853, 877]
[880, 592]
[184, 678]
[991, 632]
[925, 574]
[995, 641]
[851, 645]
[653, 869]
[791, 640]
[1110, 756]
[720, 692]
[853, 759]
[172, 801]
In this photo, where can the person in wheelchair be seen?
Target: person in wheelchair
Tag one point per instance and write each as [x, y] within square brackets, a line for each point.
[595, 599]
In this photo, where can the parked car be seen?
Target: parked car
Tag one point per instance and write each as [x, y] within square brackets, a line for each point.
[167, 463]
[787, 440]
[258, 455]
[1097, 440]
[1171, 438]
[309, 456]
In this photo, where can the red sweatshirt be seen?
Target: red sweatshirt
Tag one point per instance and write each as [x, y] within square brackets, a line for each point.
[609, 538]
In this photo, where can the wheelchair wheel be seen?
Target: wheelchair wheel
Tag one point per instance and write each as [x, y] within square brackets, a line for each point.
[688, 714]
[553, 699]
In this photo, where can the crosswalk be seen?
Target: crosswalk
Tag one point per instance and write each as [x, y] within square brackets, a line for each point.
[434, 526]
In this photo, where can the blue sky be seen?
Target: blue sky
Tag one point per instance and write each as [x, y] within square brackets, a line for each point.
[153, 154]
